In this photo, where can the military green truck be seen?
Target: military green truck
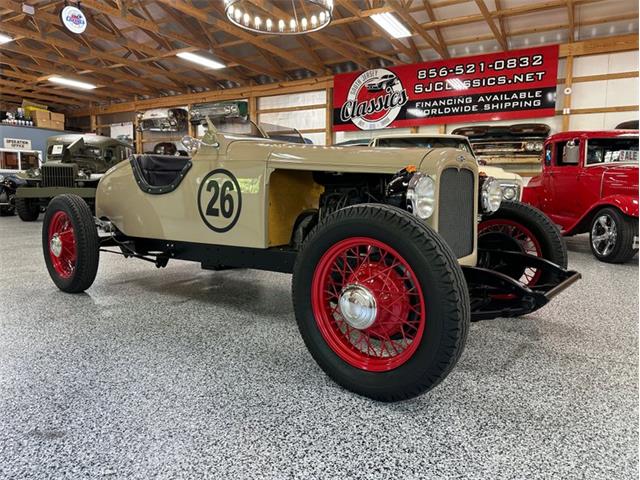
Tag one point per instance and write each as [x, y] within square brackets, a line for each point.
[74, 164]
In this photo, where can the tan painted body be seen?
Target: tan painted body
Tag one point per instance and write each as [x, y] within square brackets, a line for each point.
[276, 186]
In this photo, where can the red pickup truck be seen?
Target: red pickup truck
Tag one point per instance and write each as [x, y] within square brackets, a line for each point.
[589, 183]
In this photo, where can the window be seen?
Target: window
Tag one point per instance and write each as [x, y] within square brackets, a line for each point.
[609, 150]
[9, 160]
[547, 155]
[29, 160]
[568, 153]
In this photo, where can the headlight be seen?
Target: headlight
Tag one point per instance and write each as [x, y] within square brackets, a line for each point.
[510, 192]
[491, 195]
[421, 192]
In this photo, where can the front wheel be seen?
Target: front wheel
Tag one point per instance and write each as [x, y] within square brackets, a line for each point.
[70, 243]
[518, 227]
[28, 209]
[381, 302]
[612, 236]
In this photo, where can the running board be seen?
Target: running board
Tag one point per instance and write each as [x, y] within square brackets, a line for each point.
[494, 294]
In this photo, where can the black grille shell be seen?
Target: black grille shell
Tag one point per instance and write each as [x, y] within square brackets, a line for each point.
[58, 175]
[456, 219]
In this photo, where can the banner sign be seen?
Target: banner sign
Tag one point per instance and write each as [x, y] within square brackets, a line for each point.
[496, 86]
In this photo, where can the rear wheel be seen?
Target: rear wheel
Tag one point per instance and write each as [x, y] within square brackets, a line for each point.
[70, 243]
[28, 209]
[7, 198]
[612, 236]
[518, 227]
[381, 302]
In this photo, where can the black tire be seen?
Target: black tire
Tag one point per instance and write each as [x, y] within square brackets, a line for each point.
[625, 228]
[28, 209]
[6, 211]
[547, 235]
[85, 236]
[439, 277]
[5, 197]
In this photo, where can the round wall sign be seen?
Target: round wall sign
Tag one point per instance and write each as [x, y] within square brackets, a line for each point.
[73, 19]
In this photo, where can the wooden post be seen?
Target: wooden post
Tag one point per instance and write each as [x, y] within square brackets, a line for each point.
[568, 83]
[253, 109]
[329, 118]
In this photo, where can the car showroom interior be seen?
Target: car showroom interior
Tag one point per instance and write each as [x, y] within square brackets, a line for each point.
[319, 239]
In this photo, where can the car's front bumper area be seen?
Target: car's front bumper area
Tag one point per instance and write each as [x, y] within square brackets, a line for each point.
[494, 294]
[50, 192]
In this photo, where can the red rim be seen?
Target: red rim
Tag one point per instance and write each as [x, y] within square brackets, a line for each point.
[62, 244]
[521, 234]
[400, 313]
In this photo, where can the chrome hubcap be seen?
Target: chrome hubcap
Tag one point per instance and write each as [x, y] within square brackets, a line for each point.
[603, 235]
[55, 245]
[358, 306]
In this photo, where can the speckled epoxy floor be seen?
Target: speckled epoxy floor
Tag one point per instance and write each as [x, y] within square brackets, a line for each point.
[184, 373]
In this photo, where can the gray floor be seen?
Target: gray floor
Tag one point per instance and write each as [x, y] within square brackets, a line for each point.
[183, 373]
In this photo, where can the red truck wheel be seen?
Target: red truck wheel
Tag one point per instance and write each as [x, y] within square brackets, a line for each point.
[380, 301]
[611, 236]
[70, 243]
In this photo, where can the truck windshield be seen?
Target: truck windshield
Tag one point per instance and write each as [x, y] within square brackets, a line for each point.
[609, 150]
[424, 143]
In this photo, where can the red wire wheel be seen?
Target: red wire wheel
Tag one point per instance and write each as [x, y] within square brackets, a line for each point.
[524, 239]
[62, 244]
[368, 304]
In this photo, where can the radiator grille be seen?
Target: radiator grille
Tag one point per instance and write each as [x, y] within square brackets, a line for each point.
[456, 222]
[58, 175]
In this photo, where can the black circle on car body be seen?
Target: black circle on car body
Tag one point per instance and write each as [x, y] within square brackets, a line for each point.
[222, 197]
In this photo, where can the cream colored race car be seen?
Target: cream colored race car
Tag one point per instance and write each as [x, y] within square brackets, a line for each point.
[382, 247]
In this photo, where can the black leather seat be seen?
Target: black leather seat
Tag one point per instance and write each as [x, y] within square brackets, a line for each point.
[162, 170]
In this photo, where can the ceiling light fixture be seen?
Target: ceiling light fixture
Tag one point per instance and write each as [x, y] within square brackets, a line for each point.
[72, 83]
[391, 24]
[5, 38]
[200, 60]
[280, 17]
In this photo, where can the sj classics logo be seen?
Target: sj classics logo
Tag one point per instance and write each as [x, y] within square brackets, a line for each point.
[220, 200]
[374, 99]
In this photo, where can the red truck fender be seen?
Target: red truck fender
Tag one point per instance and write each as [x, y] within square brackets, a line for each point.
[532, 192]
[625, 203]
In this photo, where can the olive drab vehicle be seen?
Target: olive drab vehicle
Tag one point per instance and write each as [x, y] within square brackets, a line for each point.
[74, 164]
[382, 244]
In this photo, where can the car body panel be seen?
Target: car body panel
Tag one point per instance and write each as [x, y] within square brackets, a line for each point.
[176, 215]
[570, 194]
[504, 177]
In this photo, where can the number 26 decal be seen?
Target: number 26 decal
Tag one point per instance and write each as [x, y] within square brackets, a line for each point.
[220, 200]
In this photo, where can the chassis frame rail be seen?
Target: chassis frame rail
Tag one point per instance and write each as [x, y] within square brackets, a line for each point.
[494, 294]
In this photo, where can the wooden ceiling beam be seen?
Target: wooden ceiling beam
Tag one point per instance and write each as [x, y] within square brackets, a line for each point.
[416, 27]
[39, 96]
[492, 25]
[230, 29]
[432, 16]
[400, 47]
[148, 85]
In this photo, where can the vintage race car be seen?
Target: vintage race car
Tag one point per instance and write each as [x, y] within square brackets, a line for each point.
[382, 247]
